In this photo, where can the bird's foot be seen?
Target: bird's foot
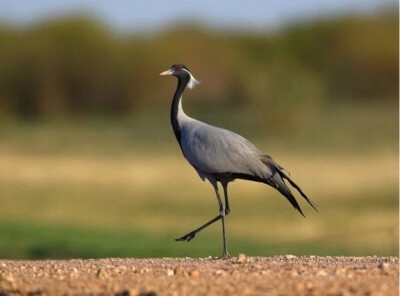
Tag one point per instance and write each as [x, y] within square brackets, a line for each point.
[187, 237]
[225, 255]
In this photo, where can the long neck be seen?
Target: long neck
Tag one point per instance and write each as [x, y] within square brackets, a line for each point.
[176, 102]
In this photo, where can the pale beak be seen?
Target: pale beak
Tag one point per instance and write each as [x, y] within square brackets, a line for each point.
[168, 72]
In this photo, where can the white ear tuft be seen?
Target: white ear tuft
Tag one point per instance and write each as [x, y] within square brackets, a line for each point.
[193, 81]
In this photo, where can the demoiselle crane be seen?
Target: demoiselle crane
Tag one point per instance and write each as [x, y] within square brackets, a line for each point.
[219, 155]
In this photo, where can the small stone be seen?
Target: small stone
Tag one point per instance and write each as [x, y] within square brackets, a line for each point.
[122, 268]
[340, 270]
[179, 270]
[290, 256]
[101, 273]
[294, 273]
[241, 258]
[139, 271]
[8, 278]
[322, 273]
[194, 272]
[3, 265]
[219, 272]
[299, 286]
[170, 272]
[142, 270]
[385, 267]
[73, 272]
[123, 293]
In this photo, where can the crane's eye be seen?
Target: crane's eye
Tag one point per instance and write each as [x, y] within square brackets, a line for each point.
[179, 68]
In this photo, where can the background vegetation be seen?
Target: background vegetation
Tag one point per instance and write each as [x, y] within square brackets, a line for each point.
[89, 166]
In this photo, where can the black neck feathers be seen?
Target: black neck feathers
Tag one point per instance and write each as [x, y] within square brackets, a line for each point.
[182, 82]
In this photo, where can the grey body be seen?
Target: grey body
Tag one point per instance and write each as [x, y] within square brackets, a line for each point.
[215, 152]
[219, 155]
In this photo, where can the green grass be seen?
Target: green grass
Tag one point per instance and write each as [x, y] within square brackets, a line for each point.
[91, 222]
[23, 240]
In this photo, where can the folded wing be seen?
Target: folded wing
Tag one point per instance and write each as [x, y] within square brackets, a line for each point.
[213, 150]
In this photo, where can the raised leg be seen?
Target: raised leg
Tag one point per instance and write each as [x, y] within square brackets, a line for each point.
[189, 236]
[224, 211]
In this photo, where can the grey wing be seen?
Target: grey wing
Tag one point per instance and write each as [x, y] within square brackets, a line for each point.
[213, 150]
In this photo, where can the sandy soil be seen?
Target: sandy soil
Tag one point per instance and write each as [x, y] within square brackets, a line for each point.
[283, 275]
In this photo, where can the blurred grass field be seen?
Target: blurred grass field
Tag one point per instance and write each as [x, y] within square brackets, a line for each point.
[104, 187]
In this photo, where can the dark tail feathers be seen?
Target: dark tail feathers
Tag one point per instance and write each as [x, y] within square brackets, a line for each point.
[283, 175]
[277, 181]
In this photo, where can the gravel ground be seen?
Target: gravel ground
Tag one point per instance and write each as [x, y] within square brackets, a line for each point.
[283, 275]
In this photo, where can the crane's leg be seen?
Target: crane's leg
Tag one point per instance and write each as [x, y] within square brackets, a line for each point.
[224, 210]
[227, 209]
[189, 236]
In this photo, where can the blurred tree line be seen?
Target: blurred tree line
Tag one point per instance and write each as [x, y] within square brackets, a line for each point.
[77, 65]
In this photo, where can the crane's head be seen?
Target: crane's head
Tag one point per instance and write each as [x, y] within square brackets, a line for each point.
[182, 72]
